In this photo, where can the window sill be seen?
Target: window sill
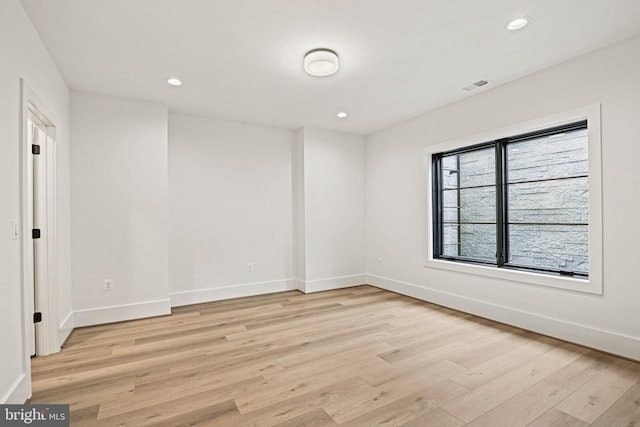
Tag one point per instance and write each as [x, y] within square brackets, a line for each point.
[590, 285]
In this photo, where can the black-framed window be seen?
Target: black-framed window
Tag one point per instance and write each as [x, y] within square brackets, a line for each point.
[520, 202]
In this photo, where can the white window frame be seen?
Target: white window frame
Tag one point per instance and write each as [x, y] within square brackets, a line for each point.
[593, 284]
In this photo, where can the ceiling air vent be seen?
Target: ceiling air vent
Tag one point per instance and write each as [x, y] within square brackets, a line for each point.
[475, 85]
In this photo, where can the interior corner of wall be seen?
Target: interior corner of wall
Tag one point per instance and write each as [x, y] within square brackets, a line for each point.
[300, 285]
[66, 327]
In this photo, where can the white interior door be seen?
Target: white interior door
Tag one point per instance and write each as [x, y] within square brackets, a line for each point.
[29, 279]
[40, 228]
[39, 255]
[37, 186]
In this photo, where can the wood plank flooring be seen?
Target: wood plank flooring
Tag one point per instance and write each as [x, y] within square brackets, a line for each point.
[351, 357]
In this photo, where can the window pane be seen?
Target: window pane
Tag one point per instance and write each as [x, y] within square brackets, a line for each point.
[556, 156]
[475, 205]
[564, 201]
[478, 205]
[548, 202]
[450, 240]
[450, 206]
[450, 171]
[469, 205]
[478, 241]
[561, 247]
[477, 167]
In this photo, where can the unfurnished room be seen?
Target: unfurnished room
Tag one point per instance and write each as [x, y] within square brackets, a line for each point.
[305, 213]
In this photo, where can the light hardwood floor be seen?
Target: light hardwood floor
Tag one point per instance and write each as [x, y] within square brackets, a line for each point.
[353, 357]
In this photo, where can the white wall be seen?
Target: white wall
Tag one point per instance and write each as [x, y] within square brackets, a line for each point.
[299, 241]
[22, 54]
[230, 194]
[395, 215]
[334, 209]
[119, 208]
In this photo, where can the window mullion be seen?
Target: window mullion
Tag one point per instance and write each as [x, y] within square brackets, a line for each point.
[505, 203]
[437, 203]
[459, 205]
[501, 210]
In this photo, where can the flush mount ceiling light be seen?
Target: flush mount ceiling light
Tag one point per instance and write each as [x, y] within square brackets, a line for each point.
[321, 62]
[518, 23]
[342, 114]
[173, 81]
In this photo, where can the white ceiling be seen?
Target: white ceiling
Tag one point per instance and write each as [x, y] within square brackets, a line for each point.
[242, 59]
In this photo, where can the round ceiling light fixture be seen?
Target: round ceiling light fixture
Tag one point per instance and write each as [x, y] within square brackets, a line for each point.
[518, 23]
[321, 62]
[173, 81]
[342, 115]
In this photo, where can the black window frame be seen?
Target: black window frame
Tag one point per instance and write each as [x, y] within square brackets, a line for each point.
[502, 210]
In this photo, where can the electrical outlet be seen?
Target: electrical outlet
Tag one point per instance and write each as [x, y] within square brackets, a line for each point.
[108, 284]
[249, 267]
[379, 262]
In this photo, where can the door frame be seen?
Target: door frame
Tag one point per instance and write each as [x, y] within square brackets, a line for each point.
[47, 290]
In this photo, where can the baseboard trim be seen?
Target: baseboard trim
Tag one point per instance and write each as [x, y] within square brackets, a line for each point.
[66, 327]
[607, 341]
[299, 284]
[119, 313]
[331, 283]
[198, 296]
[19, 392]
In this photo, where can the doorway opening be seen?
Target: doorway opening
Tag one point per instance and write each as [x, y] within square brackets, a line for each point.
[39, 264]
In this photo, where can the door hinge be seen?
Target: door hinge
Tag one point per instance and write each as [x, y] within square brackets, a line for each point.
[35, 149]
[35, 233]
[37, 317]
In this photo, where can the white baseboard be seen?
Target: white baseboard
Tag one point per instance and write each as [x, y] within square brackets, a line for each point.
[66, 327]
[610, 342]
[118, 313]
[299, 284]
[19, 392]
[330, 283]
[198, 296]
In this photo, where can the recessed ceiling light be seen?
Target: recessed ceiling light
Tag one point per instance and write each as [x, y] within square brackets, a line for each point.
[518, 23]
[321, 62]
[342, 115]
[174, 81]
